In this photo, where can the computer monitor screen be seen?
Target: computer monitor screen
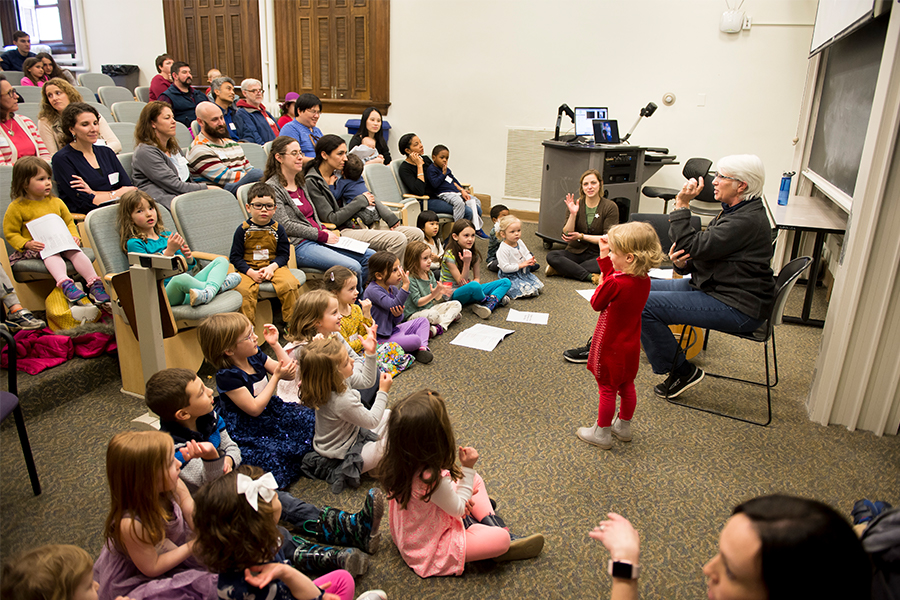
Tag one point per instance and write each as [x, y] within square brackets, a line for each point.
[584, 118]
[606, 132]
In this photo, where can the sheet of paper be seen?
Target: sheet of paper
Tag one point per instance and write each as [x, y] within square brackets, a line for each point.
[350, 244]
[586, 294]
[518, 316]
[51, 230]
[481, 337]
[664, 274]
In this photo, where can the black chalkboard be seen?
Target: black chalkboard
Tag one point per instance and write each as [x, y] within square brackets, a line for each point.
[851, 71]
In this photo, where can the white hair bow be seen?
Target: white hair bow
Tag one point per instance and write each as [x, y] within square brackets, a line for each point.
[253, 489]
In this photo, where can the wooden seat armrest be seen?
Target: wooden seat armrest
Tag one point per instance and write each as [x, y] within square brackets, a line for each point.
[78, 217]
[329, 225]
[205, 255]
[417, 197]
[394, 204]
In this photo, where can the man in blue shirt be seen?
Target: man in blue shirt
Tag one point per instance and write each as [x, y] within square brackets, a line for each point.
[12, 60]
[303, 128]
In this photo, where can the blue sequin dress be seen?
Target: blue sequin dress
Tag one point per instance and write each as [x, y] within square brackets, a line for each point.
[278, 438]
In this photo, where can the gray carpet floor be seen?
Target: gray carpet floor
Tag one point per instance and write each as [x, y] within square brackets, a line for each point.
[519, 406]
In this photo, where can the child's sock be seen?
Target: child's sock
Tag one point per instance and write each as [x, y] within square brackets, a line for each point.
[203, 296]
[231, 281]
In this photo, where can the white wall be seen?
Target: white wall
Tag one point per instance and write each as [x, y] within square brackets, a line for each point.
[124, 32]
[463, 71]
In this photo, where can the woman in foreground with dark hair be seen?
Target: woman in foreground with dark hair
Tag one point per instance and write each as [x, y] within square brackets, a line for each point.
[771, 548]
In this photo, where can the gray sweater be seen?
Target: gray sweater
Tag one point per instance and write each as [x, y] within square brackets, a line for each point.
[155, 174]
[339, 421]
[289, 216]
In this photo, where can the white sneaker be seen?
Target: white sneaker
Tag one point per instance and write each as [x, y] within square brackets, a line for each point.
[622, 429]
[373, 595]
[597, 436]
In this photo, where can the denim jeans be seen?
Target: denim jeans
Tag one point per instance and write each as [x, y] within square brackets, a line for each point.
[675, 302]
[296, 511]
[319, 256]
[250, 176]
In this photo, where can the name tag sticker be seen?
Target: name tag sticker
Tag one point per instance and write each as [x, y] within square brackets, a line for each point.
[232, 126]
[261, 254]
[448, 179]
[114, 178]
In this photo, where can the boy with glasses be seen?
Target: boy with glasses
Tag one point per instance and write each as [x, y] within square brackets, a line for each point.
[260, 252]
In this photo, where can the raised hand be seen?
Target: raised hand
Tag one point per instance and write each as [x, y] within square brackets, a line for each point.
[286, 369]
[572, 203]
[466, 255]
[619, 537]
[370, 342]
[385, 382]
[270, 334]
[366, 306]
[468, 456]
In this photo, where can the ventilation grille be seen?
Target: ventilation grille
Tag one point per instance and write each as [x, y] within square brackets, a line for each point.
[524, 161]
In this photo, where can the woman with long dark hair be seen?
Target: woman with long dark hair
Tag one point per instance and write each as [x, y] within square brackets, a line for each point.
[371, 125]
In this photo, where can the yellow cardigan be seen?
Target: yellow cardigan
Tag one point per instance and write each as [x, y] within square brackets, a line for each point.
[23, 210]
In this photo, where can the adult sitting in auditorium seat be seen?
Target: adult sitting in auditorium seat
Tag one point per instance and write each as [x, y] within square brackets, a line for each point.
[56, 95]
[181, 96]
[214, 157]
[222, 91]
[87, 175]
[412, 174]
[18, 135]
[303, 128]
[159, 167]
[371, 125]
[163, 78]
[13, 60]
[52, 70]
[259, 124]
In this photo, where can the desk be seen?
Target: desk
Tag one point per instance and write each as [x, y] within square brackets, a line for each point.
[802, 214]
[624, 169]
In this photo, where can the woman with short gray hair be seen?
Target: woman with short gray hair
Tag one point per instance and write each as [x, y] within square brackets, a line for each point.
[259, 125]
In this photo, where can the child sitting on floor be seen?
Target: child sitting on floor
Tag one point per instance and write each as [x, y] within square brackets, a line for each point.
[260, 252]
[206, 452]
[271, 433]
[346, 431]
[425, 293]
[497, 213]
[428, 222]
[515, 261]
[385, 274]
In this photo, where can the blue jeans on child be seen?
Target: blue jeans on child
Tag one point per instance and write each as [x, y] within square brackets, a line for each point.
[475, 292]
[319, 256]
[675, 302]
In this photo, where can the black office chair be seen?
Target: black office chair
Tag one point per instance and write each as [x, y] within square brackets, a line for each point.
[624, 206]
[783, 286]
[661, 224]
[696, 168]
[9, 403]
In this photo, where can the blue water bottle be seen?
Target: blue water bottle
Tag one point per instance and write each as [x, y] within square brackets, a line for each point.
[785, 189]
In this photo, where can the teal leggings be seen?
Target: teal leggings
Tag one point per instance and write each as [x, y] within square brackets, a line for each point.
[178, 288]
[475, 292]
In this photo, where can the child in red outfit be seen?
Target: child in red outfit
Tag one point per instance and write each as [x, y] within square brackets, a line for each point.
[627, 253]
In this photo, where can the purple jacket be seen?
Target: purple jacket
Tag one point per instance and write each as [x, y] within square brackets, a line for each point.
[382, 302]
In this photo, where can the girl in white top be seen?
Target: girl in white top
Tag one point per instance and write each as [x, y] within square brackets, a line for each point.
[514, 260]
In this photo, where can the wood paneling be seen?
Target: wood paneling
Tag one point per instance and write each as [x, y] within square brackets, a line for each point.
[214, 33]
[335, 49]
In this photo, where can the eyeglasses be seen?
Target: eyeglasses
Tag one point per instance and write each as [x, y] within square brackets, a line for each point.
[262, 206]
[720, 176]
[12, 94]
[259, 91]
[250, 337]
[294, 153]
[314, 112]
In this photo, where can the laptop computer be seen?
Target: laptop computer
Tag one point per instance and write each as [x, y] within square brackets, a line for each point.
[606, 131]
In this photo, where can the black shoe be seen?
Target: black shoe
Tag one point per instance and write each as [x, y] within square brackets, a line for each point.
[423, 356]
[675, 384]
[578, 355]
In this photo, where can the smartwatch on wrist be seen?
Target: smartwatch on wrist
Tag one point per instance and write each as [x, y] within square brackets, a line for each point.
[623, 569]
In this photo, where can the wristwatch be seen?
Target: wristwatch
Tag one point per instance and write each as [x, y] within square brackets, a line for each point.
[623, 569]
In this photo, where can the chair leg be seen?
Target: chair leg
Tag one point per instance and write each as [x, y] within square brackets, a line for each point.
[26, 450]
[768, 385]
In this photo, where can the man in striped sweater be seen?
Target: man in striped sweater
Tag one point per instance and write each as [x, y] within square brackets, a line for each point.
[214, 158]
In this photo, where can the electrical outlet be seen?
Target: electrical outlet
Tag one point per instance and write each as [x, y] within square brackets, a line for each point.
[746, 24]
[701, 99]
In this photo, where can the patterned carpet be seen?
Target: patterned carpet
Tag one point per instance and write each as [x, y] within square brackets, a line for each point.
[519, 406]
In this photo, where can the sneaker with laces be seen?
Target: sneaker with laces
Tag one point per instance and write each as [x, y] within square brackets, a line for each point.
[675, 384]
[622, 429]
[231, 281]
[578, 355]
[203, 296]
[71, 291]
[97, 292]
[22, 319]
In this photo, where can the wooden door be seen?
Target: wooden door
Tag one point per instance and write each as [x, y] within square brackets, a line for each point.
[214, 33]
[335, 49]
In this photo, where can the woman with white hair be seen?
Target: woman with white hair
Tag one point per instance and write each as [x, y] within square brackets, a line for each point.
[731, 287]
[259, 125]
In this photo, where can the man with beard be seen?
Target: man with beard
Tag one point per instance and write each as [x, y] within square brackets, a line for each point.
[181, 96]
[214, 158]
